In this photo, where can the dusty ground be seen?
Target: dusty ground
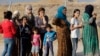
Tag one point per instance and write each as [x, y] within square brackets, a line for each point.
[79, 51]
[51, 8]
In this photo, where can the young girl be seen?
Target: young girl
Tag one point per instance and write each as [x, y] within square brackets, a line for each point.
[8, 29]
[25, 34]
[75, 30]
[36, 42]
[49, 37]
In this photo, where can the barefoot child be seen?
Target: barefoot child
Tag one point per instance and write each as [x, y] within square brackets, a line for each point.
[75, 30]
[36, 42]
[49, 37]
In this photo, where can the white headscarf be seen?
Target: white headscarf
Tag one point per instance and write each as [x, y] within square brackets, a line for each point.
[16, 13]
[27, 8]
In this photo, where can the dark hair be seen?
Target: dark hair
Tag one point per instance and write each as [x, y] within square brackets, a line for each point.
[49, 26]
[24, 17]
[35, 29]
[41, 9]
[89, 9]
[7, 15]
[75, 11]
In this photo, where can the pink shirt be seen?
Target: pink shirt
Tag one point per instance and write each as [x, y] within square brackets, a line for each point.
[36, 40]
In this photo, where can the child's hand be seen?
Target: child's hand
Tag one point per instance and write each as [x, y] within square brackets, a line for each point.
[32, 42]
[40, 46]
[44, 47]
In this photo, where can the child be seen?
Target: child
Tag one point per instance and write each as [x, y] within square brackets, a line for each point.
[75, 30]
[49, 37]
[25, 34]
[8, 29]
[36, 42]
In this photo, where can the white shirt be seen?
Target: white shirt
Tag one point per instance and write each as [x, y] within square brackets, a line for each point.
[75, 33]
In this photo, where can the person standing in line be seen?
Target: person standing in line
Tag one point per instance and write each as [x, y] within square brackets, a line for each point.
[25, 35]
[31, 21]
[8, 29]
[90, 32]
[36, 42]
[63, 32]
[75, 33]
[49, 37]
[41, 21]
[16, 20]
[29, 14]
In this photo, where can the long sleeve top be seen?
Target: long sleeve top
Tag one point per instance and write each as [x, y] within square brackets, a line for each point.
[49, 36]
[8, 29]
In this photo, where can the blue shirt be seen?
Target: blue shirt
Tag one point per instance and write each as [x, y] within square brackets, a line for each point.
[49, 36]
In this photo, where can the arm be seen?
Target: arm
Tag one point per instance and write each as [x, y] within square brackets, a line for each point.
[44, 40]
[36, 22]
[13, 29]
[40, 42]
[86, 18]
[72, 24]
[54, 36]
[1, 31]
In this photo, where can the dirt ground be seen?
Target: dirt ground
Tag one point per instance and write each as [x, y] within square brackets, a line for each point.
[79, 50]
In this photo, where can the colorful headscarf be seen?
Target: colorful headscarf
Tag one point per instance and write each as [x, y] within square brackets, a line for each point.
[61, 15]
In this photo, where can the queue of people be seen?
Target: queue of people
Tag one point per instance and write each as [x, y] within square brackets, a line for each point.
[33, 35]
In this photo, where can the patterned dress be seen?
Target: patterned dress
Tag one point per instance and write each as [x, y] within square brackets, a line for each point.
[90, 37]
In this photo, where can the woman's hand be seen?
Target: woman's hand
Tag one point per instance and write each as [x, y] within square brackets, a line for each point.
[94, 15]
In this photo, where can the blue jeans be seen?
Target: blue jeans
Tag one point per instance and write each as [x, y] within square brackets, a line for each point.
[74, 46]
[48, 46]
[8, 46]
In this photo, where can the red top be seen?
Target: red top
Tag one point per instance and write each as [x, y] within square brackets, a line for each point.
[7, 28]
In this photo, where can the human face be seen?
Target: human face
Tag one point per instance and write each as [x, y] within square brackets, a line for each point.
[48, 29]
[42, 13]
[77, 14]
[29, 11]
[65, 11]
[35, 32]
[24, 20]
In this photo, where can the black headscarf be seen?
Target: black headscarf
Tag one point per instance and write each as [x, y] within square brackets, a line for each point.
[89, 9]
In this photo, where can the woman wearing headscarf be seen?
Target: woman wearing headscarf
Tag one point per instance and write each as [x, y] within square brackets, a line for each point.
[89, 33]
[63, 32]
[16, 21]
[30, 19]
[29, 14]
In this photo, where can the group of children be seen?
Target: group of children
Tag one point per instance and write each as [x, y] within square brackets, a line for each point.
[36, 42]
[49, 37]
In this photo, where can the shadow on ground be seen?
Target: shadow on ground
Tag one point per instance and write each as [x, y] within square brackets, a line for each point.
[79, 53]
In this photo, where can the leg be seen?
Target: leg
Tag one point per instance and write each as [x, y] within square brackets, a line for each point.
[10, 46]
[33, 51]
[45, 50]
[28, 48]
[23, 47]
[36, 54]
[37, 50]
[5, 47]
[40, 51]
[74, 46]
[51, 48]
